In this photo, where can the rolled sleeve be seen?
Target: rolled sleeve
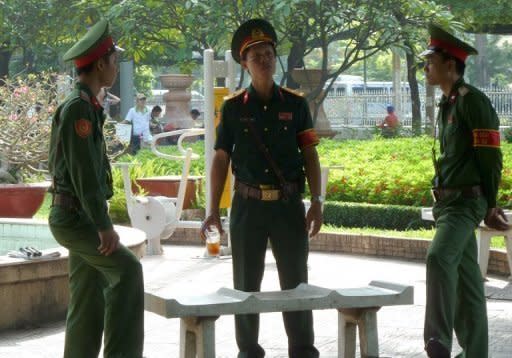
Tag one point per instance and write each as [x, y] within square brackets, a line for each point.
[306, 134]
[225, 137]
[484, 125]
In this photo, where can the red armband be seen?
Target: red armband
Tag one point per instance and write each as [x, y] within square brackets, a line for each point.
[486, 138]
[307, 138]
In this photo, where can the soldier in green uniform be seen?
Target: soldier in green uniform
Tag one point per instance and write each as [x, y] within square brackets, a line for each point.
[467, 174]
[105, 278]
[267, 204]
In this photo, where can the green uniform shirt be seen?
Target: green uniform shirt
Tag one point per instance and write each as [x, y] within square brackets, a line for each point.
[469, 140]
[78, 160]
[283, 124]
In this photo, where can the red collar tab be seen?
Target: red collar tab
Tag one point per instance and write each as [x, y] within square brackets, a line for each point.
[95, 102]
[453, 97]
[455, 51]
[246, 97]
[102, 48]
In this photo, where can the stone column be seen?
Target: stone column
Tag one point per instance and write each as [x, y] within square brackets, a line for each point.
[309, 80]
[177, 100]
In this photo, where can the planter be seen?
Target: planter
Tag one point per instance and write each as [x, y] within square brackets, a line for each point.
[21, 200]
[177, 100]
[309, 80]
[168, 186]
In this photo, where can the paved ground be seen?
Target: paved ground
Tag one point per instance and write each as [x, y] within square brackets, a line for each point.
[400, 328]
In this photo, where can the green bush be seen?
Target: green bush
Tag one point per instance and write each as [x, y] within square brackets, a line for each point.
[391, 171]
[381, 171]
[508, 134]
[397, 217]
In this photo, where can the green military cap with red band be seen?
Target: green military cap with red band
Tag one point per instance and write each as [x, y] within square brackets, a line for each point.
[250, 33]
[92, 46]
[443, 41]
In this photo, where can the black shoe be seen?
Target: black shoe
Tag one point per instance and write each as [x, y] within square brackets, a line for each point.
[435, 349]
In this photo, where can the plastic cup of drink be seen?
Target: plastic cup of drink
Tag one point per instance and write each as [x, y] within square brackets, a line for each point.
[213, 242]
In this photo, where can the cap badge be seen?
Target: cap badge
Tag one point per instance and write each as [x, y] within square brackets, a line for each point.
[257, 34]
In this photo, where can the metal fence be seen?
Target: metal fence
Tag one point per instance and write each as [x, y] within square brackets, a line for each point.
[366, 109]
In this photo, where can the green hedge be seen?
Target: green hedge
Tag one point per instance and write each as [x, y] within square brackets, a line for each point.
[396, 217]
[391, 171]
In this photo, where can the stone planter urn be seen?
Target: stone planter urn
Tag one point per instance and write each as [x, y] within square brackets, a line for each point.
[177, 100]
[309, 80]
[21, 200]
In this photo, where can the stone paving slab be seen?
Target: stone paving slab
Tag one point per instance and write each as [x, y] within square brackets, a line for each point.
[400, 327]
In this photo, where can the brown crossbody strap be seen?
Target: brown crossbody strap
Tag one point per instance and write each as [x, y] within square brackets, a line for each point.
[264, 150]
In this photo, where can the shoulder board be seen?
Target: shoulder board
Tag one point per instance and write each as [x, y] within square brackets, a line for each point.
[234, 94]
[463, 90]
[85, 96]
[292, 91]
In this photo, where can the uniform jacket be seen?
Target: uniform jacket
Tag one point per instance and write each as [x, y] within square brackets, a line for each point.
[78, 159]
[284, 125]
[469, 141]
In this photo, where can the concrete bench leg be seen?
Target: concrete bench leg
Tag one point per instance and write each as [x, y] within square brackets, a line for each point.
[346, 337]
[483, 244]
[366, 321]
[197, 337]
[508, 242]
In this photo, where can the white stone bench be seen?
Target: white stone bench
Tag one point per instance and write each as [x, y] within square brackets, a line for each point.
[357, 308]
[484, 235]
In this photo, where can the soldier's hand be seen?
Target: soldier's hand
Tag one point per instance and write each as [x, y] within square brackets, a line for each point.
[109, 242]
[314, 218]
[212, 220]
[496, 219]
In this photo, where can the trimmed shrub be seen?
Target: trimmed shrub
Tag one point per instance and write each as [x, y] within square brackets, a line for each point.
[394, 217]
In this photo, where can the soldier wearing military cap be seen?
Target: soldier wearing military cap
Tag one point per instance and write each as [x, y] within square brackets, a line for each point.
[465, 186]
[269, 183]
[105, 278]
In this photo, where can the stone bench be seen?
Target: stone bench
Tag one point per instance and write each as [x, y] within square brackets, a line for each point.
[357, 308]
[484, 235]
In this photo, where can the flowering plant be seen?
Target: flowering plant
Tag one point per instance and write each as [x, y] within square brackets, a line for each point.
[26, 107]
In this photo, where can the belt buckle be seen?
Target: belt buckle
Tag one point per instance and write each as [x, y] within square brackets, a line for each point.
[269, 195]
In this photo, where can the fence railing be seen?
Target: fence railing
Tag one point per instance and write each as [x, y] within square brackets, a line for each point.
[366, 109]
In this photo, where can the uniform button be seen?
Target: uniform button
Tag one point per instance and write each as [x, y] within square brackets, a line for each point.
[264, 108]
[265, 129]
[285, 128]
[266, 170]
[246, 130]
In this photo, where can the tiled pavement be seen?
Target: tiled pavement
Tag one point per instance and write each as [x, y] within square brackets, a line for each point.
[400, 328]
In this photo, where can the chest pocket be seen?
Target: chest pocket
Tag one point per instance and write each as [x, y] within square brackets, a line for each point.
[245, 146]
[284, 138]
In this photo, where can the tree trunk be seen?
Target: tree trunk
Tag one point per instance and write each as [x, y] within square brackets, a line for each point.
[5, 58]
[29, 59]
[295, 60]
[415, 94]
[482, 62]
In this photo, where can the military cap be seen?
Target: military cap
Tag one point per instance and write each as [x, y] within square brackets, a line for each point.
[442, 41]
[92, 46]
[250, 33]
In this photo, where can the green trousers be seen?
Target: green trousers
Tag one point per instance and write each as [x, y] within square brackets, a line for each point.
[455, 292]
[252, 223]
[106, 292]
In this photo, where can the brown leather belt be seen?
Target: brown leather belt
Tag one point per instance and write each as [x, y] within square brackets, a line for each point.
[264, 192]
[466, 192]
[66, 201]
